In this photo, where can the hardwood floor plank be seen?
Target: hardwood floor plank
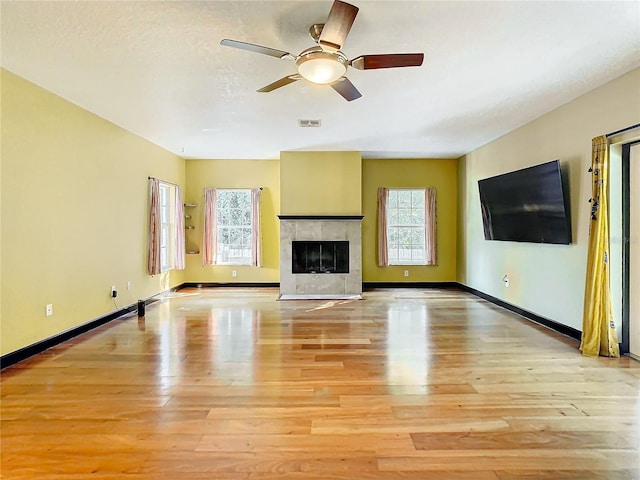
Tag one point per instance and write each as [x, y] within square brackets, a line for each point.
[247, 462]
[385, 425]
[322, 444]
[525, 440]
[283, 412]
[228, 383]
[483, 411]
[418, 475]
[568, 475]
[538, 459]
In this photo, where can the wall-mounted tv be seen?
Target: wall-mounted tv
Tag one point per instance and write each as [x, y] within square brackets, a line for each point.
[528, 205]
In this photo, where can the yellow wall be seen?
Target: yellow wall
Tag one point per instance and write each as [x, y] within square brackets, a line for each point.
[74, 199]
[544, 279]
[235, 174]
[320, 183]
[411, 173]
[74, 206]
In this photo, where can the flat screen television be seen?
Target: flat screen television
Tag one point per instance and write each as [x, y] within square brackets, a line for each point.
[528, 205]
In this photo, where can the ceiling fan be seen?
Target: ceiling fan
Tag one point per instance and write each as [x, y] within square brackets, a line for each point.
[325, 64]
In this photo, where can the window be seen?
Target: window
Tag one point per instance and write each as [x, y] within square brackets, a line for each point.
[233, 212]
[232, 227]
[165, 241]
[165, 226]
[406, 226]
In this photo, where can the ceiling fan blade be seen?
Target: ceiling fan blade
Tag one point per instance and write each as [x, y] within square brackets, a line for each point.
[280, 83]
[345, 88]
[257, 48]
[390, 60]
[336, 28]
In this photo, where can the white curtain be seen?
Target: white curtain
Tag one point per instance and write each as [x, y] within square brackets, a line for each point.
[153, 238]
[430, 225]
[383, 250]
[179, 250]
[256, 241]
[210, 231]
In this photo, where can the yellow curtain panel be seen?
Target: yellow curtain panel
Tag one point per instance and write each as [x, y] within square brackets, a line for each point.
[598, 329]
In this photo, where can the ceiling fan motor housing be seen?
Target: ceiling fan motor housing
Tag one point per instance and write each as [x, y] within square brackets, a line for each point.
[321, 66]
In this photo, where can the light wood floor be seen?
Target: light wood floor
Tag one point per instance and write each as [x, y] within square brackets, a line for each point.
[406, 384]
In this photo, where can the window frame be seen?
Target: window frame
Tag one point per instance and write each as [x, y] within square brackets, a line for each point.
[245, 230]
[420, 228]
[167, 198]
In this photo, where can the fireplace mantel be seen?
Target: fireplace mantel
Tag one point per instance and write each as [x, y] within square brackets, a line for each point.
[320, 217]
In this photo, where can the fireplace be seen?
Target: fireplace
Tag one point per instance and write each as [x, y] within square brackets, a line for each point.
[320, 256]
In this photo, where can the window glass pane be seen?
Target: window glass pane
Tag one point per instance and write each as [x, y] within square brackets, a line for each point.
[223, 217]
[393, 254]
[392, 236]
[244, 200]
[404, 198]
[223, 236]
[418, 255]
[392, 201]
[234, 216]
[222, 200]
[417, 198]
[404, 217]
[392, 216]
[417, 236]
[234, 237]
[405, 236]
[246, 237]
[417, 216]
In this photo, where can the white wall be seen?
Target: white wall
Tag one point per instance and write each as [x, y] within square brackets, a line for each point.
[547, 280]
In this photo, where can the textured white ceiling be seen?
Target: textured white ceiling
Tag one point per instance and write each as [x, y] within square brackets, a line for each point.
[157, 69]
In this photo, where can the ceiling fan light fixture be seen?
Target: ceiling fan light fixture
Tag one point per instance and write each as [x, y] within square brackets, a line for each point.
[321, 67]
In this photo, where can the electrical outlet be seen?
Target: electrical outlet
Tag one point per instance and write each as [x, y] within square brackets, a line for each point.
[129, 285]
[48, 309]
[114, 292]
[234, 274]
[406, 273]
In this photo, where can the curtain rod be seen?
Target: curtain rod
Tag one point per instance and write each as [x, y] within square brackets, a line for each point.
[637, 125]
[237, 188]
[163, 181]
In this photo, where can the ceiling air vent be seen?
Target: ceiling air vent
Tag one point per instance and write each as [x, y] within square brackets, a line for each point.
[309, 123]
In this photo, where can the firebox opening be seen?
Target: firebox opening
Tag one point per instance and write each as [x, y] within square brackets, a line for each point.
[320, 256]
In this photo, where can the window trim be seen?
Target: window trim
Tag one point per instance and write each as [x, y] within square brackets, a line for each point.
[396, 261]
[169, 225]
[245, 261]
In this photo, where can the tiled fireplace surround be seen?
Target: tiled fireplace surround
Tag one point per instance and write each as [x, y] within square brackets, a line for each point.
[327, 228]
